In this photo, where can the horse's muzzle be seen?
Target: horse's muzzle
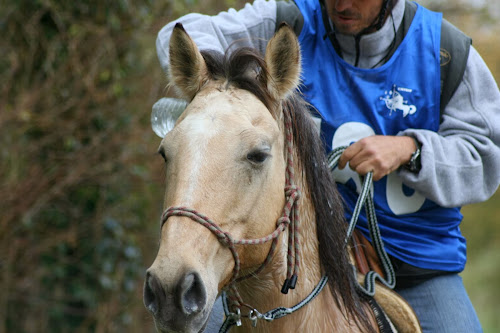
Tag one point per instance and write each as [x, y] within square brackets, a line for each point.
[179, 308]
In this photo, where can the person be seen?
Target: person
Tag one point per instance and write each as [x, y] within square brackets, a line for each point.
[415, 104]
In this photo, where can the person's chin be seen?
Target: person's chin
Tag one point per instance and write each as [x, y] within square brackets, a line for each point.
[346, 26]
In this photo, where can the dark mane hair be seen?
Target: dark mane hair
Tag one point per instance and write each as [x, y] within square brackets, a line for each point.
[246, 69]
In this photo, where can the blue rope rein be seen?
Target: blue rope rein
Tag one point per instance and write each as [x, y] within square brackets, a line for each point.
[277, 313]
[366, 199]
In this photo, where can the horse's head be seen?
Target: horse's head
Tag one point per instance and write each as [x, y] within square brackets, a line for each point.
[225, 159]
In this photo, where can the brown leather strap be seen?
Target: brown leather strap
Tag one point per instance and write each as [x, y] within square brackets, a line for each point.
[365, 256]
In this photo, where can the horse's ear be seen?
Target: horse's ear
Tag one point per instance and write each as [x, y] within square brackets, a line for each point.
[188, 70]
[283, 62]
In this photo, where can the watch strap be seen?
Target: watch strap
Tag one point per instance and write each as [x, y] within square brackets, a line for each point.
[414, 164]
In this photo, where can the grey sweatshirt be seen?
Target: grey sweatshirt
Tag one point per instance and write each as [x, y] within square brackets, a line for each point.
[460, 162]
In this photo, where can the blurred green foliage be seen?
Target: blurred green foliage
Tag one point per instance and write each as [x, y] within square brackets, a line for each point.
[76, 85]
[81, 188]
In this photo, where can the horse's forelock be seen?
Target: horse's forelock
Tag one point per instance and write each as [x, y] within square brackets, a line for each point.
[244, 68]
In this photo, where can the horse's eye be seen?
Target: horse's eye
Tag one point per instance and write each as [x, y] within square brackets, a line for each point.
[257, 156]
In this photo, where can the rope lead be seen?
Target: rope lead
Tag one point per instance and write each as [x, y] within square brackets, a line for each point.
[366, 199]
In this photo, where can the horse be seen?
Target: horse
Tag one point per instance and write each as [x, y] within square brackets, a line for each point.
[242, 159]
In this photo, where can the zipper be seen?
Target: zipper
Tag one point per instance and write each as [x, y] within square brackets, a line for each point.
[357, 40]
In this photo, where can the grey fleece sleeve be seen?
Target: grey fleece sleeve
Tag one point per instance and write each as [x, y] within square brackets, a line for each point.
[251, 26]
[461, 163]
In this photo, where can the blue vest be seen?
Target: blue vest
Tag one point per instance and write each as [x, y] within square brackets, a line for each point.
[355, 103]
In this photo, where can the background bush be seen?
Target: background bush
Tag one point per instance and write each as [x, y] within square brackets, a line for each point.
[80, 185]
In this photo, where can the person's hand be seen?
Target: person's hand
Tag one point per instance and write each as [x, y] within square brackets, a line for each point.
[378, 153]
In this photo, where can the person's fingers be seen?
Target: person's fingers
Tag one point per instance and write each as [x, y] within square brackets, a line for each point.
[348, 154]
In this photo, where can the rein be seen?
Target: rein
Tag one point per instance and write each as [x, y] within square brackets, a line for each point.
[289, 218]
[366, 199]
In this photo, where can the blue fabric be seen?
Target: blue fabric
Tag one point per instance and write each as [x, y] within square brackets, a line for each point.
[216, 318]
[442, 305]
[402, 93]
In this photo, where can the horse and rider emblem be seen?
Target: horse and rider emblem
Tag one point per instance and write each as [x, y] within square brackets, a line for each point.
[395, 102]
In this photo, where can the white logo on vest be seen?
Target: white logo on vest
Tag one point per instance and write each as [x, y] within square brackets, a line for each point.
[395, 101]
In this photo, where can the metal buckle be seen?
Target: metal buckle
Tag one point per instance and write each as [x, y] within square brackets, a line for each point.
[238, 317]
[252, 315]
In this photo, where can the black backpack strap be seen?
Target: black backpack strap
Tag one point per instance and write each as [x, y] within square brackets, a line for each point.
[289, 12]
[453, 56]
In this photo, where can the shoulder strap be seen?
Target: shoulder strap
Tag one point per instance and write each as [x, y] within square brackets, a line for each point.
[289, 12]
[453, 55]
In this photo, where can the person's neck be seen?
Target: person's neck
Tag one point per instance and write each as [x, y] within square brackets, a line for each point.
[373, 47]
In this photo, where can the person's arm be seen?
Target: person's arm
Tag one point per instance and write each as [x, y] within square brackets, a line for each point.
[461, 163]
[251, 26]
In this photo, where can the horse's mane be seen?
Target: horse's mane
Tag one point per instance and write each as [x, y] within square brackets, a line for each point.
[246, 69]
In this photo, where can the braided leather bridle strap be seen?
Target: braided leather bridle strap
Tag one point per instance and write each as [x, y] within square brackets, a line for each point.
[292, 195]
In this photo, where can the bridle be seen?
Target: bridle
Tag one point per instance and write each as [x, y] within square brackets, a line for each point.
[289, 219]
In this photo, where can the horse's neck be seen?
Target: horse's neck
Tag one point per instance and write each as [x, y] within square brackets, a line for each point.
[264, 291]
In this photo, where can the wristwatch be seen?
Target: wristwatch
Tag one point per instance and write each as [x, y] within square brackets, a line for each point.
[414, 164]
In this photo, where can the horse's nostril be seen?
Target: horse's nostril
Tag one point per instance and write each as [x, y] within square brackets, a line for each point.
[193, 296]
[152, 292]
